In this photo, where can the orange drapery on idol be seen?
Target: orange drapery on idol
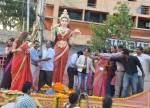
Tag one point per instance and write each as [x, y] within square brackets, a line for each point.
[61, 56]
[20, 70]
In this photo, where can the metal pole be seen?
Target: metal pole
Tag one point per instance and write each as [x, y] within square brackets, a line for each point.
[41, 24]
[28, 14]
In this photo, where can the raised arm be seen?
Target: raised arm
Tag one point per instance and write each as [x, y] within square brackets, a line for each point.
[110, 55]
[14, 49]
[53, 34]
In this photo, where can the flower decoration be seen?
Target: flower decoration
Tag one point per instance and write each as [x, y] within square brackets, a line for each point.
[45, 87]
[59, 88]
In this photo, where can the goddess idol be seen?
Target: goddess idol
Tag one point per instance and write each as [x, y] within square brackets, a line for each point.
[63, 37]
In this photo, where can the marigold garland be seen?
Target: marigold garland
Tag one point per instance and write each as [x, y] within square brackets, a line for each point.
[64, 94]
[127, 98]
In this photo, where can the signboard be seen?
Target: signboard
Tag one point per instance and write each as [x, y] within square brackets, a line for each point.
[131, 44]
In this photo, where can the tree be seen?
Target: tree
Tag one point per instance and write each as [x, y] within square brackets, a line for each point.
[12, 13]
[118, 25]
[8, 14]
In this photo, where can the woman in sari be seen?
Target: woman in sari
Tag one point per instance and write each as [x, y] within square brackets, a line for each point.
[6, 81]
[111, 72]
[63, 38]
[91, 74]
[20, 70]
[100, 79]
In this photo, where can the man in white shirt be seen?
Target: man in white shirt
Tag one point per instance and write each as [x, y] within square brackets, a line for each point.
[71, 68]
[144, 61]
[45, 76]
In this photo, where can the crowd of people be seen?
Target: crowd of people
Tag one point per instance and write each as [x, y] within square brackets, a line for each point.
[115, 73]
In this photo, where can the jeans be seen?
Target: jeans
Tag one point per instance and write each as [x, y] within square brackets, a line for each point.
[118, 84]
[71, 72]
[133, 78]
[140, 84]
[80, 77]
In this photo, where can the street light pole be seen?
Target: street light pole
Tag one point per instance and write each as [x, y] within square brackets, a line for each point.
[28, 14]
[42, 24]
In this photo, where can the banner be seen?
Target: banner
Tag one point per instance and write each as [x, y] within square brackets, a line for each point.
[131, 44]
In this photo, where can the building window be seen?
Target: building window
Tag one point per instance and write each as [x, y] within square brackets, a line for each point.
[144, 23]
[94, 16]
[145, 10]
[131, 0]
[91, 3]
[134, 21]
[73, 13]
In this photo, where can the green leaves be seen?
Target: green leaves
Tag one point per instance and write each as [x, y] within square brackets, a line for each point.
[118, 25]
[13, 12]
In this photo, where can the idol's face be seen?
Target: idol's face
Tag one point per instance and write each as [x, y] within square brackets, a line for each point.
[64, 22]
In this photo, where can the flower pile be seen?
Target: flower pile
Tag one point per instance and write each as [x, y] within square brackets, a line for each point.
[45, 87]
[58, 88]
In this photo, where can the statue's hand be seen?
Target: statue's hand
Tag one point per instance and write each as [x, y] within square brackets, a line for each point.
[76, 32]
[52, 29]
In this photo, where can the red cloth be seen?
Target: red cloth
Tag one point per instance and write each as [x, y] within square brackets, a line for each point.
[24, 75]
[61, 57]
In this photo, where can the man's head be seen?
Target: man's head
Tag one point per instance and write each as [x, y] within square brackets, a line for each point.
[49, 44]
[87, 51]
[36, 44]
[139, 50]
[119, 48]
[79, 53]
[107, 102]
[73, 98]
[125, 53]
[26, 87]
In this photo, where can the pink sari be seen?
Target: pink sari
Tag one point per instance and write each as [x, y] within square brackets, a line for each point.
[100, 79]
[89, 81]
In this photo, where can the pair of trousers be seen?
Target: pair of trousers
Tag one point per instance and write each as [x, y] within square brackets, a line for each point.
[118, 83]
[45, 77]
[140, 84]
[34, 72]
[71, 72]
[81, 77]
[127, 79]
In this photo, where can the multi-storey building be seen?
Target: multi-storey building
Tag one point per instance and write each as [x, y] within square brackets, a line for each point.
[83, 12]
